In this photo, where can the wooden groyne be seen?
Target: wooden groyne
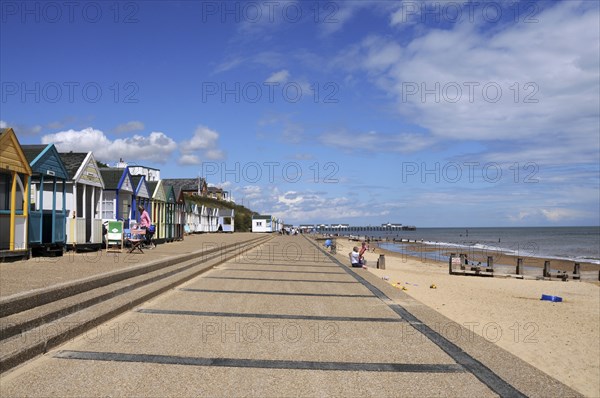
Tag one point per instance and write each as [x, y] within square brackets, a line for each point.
[458, 264]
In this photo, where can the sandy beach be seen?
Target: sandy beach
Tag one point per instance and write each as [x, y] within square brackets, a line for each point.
[561, 339]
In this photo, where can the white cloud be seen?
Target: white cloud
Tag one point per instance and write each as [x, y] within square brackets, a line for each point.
[559, 214]
[3, 124]
[156, 147]
[376, 142]
[281, 76]
[187, 160]
[551, 62]
[202, 145]
[128, 127]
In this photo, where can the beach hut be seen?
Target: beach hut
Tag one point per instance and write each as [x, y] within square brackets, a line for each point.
[196, 217]
[15, 174]
[181, 186]
[158, 201]
[262, 223]
[84, 195]
[47, 202]
[226, 221]
[180, 212]
[170, 213]
[118, 195]
[141, 196]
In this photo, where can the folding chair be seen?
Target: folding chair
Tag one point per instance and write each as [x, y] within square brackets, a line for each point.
[114, 236]
[137, 238]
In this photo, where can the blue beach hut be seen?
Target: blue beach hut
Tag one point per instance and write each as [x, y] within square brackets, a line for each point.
[141, 196]
[48, 204]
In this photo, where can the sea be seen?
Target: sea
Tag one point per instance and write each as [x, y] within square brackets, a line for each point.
[565, 243]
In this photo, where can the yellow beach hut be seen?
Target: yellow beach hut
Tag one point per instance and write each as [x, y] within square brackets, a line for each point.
[15, 174]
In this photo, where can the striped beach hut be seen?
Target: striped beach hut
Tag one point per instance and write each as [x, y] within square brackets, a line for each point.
[15, 174]
[169, 212]
[85, 189]
[158, 201]
[48, 199]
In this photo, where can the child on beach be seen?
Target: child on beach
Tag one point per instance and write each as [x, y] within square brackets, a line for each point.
[355, 258]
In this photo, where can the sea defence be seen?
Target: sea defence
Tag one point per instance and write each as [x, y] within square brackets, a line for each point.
[281, 318]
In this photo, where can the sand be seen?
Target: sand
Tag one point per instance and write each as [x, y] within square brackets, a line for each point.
[561, 339]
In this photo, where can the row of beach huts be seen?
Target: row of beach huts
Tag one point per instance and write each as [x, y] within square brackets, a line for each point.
[51, 201]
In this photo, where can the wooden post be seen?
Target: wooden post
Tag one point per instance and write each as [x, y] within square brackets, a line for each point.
[519, 266]
[546, 269]
[490, 263]
[333, 246]
[381, 262]
[462, 261]
[576, 271]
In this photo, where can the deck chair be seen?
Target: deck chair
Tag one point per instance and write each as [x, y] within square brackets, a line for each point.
[114, 236]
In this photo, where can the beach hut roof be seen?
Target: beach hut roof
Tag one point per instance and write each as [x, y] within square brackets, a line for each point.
[184, 185]
[72, 162]
[12, 157]
[114, 178]
[225, 212]
[45, 159]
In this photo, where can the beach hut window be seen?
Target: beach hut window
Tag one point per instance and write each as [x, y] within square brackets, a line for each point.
[108, 209]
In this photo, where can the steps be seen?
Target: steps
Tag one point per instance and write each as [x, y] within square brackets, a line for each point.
[33, 322]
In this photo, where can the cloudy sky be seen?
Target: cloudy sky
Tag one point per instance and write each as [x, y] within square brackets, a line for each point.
[429, 113]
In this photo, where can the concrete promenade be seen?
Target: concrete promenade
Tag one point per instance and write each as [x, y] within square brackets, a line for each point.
[43, 272]
[284, 319]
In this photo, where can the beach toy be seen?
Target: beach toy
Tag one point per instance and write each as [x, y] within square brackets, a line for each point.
[554, 299]
[386, 278]
[433, 286]
[404, 288]
[393, 284]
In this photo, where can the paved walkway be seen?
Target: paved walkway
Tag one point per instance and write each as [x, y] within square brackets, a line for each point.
[43, 272]
[281, 320]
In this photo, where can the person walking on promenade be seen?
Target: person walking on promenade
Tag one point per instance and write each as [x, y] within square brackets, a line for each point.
[145, 223]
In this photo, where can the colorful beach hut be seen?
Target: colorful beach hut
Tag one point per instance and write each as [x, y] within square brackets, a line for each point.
[15, 174]
[85, 189]
[47, 204]
[158, 203]
[170, 212]
[141, 196]
[118, 195]
[181, 186]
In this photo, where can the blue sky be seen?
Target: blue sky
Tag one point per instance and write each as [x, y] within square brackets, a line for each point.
[432, 113]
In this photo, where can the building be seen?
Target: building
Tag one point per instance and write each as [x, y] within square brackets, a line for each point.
[15, 174]
[266, 223]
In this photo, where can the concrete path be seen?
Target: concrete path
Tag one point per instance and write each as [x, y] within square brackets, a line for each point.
[43, 272]
[284, 319]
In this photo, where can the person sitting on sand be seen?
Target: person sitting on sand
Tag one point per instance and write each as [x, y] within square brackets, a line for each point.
[354, 258]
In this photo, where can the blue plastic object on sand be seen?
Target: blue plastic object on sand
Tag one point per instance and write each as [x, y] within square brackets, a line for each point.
[328, 243]
[554, 299]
